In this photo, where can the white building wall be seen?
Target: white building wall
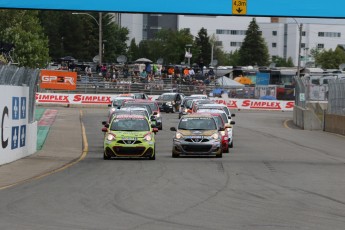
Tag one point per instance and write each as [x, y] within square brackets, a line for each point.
[310, 40]
[134, 23]
[271, 38]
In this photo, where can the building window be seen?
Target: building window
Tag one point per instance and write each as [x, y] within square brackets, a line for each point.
[274, 45]
[320, 46]
[236, 44]
[302, 45]
[231, 32]
[218, 43]
[274, 33]
[329, 34]
[303, 33]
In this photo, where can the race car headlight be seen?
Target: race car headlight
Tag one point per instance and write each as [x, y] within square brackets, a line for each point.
[222, 133]
[111, 137]
[215, 136]
[158, 115]
[113, 109]
[178, 135]
[185, 110]
[148, 137]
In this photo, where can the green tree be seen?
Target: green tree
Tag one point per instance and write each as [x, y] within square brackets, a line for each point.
[234, 58]
[222, 57]
[254, 50]
[133, 51]
[70, 35]
[22, 28]
[202, 42]
[330, 59]
[78, 35]
[282, 62]
[172, 45]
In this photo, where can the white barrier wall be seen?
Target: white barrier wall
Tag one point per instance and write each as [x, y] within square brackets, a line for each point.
[18, 138]
[232, 103]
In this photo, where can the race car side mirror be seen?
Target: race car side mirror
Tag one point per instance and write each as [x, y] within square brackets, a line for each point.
[172, 129]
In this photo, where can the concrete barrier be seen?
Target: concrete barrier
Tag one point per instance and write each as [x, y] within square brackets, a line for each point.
[335, 124]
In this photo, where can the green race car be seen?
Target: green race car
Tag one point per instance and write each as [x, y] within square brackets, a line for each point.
[129, 136]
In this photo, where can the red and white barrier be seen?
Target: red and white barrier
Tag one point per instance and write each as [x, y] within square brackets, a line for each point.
[102, 99]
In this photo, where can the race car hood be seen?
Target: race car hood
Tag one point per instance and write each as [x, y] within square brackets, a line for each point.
[136, 134]
[196, 132]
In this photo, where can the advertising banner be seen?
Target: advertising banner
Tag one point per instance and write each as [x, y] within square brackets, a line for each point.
[55, 79]
[103, 99]
[74, 99]
[14, 122]
[254, 104]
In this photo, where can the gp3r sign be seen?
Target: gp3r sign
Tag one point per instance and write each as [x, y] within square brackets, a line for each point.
[13, 115]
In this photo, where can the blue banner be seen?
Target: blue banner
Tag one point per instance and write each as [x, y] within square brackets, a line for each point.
[283, 8]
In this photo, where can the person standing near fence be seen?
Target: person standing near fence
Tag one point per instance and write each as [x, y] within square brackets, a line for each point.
[88, 72]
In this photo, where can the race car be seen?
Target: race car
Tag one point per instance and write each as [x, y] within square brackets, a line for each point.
[197, 134]
[129, 136]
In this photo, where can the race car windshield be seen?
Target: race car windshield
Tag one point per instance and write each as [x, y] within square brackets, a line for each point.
[188, 103]
[197, 124]
[219, 121]
[167, 97]
[148, 108]
[130, 125]
[117, 102]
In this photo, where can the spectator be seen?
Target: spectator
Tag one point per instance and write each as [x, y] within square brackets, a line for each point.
[171, 72]
[143, 76]
[88, 71]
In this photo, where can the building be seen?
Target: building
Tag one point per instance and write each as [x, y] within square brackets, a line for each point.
[282, 35]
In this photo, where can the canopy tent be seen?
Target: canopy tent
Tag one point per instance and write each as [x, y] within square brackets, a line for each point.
[243, 80]
[225, 81]
[143, 60]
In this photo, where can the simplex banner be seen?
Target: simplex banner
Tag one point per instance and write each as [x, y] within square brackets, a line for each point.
[103, 99]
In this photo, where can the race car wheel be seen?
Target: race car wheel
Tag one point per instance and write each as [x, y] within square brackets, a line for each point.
[153, 156]
[231, 144]
[219, 155]
[174, 155]
[226, 150]
[105, 157]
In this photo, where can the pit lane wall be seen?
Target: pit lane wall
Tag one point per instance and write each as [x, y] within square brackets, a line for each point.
[103, 99]
[18, 137]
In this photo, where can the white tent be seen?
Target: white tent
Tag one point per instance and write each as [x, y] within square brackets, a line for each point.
[225, 81]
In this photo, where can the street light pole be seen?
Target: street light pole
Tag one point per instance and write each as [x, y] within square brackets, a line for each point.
[100, 32]
[299, 47]
[189, 54]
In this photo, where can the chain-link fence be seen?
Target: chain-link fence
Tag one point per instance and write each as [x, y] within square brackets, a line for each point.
[300, 92]
[13, 75]
[336, 97]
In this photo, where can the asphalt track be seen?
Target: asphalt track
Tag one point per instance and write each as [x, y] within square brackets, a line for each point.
[276, 177]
